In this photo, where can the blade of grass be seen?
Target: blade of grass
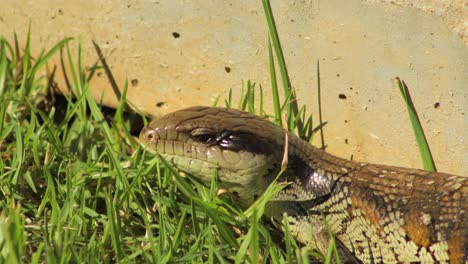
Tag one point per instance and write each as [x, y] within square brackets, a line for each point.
[114, 224]
[425, 152]
[250, 96]
[42, 59]
[319, 104]
[292, 108]
[26, 60]
[12, 235]
[274, 86]
[242, 104]
[249, 246]
[3, 76]
[78, 91]
[261, 110]
[3, 67]
[228, 101]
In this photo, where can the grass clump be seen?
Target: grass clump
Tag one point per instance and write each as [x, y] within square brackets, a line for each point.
[76, 187]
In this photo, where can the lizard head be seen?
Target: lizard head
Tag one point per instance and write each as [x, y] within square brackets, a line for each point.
[243, 149]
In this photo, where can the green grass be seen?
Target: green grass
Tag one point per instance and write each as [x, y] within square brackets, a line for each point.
[76, 187]
[423, 145]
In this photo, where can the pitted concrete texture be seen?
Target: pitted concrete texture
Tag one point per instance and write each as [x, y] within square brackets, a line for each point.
[453, 12]
[182, 53]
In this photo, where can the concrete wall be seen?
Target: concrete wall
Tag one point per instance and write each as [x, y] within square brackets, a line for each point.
[182, 53]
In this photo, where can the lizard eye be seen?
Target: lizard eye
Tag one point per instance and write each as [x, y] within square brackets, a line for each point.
[244, 141]
[230, 140]
[206, 135]
[237, 141]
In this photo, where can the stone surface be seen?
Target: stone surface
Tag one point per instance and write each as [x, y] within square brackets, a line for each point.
[454, 13]
[182, 53]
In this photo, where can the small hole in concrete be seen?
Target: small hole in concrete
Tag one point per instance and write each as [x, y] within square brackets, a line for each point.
[160, 104]
[175, 35]
[342, 96]
[134, 82]
[227, 69]
[436, 105]
[346, 141]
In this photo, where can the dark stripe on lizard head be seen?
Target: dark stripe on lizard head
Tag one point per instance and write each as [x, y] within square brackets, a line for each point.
[229, 129]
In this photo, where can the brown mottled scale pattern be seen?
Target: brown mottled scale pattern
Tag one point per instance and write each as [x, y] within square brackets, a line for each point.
[377, 213]
[416, 216]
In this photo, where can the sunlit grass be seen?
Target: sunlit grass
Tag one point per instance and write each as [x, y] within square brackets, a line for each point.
[424, 151]
[75, 187]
